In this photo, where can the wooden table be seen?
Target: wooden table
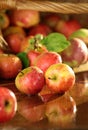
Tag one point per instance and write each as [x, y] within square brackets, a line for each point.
[81, 120]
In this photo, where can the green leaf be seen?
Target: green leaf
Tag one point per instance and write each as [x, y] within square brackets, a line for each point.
[24, 59]
[55, 42]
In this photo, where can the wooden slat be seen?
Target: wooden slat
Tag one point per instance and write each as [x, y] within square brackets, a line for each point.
[59, 6]
[81, 68]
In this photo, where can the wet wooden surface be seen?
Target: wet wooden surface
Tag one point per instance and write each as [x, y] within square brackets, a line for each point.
[80, 95]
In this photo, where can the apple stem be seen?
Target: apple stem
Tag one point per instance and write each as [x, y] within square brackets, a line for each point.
[6, 103]
[52, 78]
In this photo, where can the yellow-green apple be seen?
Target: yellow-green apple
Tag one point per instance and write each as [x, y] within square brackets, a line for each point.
[81, 33]
[30, 80]
[4, 20]
[40, 29]
[8, 104]
[24, 18]
[32, 109]
[61, 111]
[67, 27]
[10, 66]
[59, 78]
[76, 53]
[13, 30]
[45, 59]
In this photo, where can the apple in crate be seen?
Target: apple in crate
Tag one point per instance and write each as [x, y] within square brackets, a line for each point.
[45, 59]
[82, 34]
[13, 30]
[32, 55]
[4, 20]
[51, 19]
[67, 27]
[15, 42]
[40, 29]
[25, 44]
[76, 53]
[24, 18]
[61, 111]
[10, 66]
[32, 108]
[8, 104]
[30, 80]
[59, 78]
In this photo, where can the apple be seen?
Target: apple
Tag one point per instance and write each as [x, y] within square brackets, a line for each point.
[25, 44]
[30, 80]
[45, 59]
[8, 104]
[79, 91]
[10, 66]
[46, 94]
[67, 27]
[81, 33]
[51, 19]
[24, 18]
[15, 42]
[13, 30]
[32, 55]
[14, 36]
[32, 109]
[76, 53]
[4, 20]
[61, 111]
[40, 29]
[59, 78]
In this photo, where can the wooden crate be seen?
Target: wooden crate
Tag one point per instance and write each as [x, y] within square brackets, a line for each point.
[71, 7]
[60, 6]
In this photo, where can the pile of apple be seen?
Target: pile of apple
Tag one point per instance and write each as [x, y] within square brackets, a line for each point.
[43, 50]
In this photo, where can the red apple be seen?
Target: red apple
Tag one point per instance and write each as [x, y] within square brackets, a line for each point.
[25, 45]
[32, 55]
[15, 42]
[8, 104]
[67, 27]
[61, 111]
[32, 109]
[51, 19]
[30, 80]
[46, 94]
[24, 18]
[10, 66]
[40, 29]
[46, 59]
[75, 54]
[4, 20]
[59, 78]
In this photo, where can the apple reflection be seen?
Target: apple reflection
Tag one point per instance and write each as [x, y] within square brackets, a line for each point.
[80, 90]
[31, 108]
[60, 111]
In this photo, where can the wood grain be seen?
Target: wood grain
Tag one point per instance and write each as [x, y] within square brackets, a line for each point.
[60, 6]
